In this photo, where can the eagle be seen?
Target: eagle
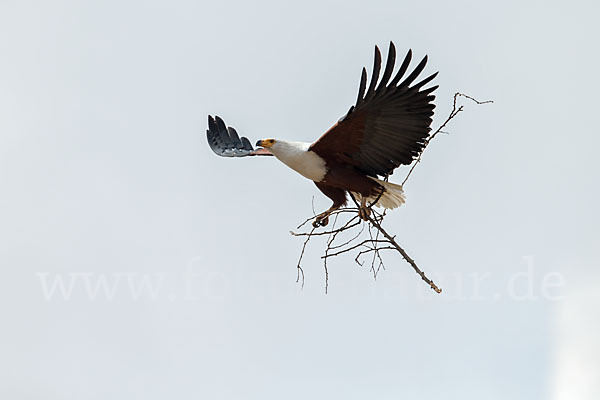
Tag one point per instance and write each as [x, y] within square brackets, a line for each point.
[388, 126]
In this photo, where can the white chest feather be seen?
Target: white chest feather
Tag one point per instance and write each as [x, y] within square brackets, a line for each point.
[297, 156]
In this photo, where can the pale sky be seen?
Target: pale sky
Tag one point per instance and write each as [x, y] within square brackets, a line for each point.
[107, 177]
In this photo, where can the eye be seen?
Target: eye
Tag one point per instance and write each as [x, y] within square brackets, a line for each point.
[271, 141]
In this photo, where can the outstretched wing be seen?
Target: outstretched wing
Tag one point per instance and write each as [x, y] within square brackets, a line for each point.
[388, 125]
[225, 141]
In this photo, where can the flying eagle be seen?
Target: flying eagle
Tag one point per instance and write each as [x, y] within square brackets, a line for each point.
[387, 127]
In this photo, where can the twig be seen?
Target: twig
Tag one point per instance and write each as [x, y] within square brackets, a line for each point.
[299, 267]
[324, 233]
[376, 254]
[455, 111]
[369, 250]
[337, 246]
[364, 242]
[330, 240]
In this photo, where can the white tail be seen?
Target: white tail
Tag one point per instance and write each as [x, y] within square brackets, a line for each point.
[392, 197]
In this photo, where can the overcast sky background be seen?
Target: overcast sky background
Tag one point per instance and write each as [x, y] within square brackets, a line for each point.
[105, 169]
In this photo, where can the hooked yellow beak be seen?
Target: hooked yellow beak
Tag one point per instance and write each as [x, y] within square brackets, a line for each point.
[265, 143]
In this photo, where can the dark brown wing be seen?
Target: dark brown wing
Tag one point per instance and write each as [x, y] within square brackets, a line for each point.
[225, 142]
[388, 125]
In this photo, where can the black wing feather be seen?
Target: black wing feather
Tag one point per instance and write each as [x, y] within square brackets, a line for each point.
[375, 77]
[389, 68]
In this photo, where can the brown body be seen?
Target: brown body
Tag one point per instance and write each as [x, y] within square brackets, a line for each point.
[341, 179]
